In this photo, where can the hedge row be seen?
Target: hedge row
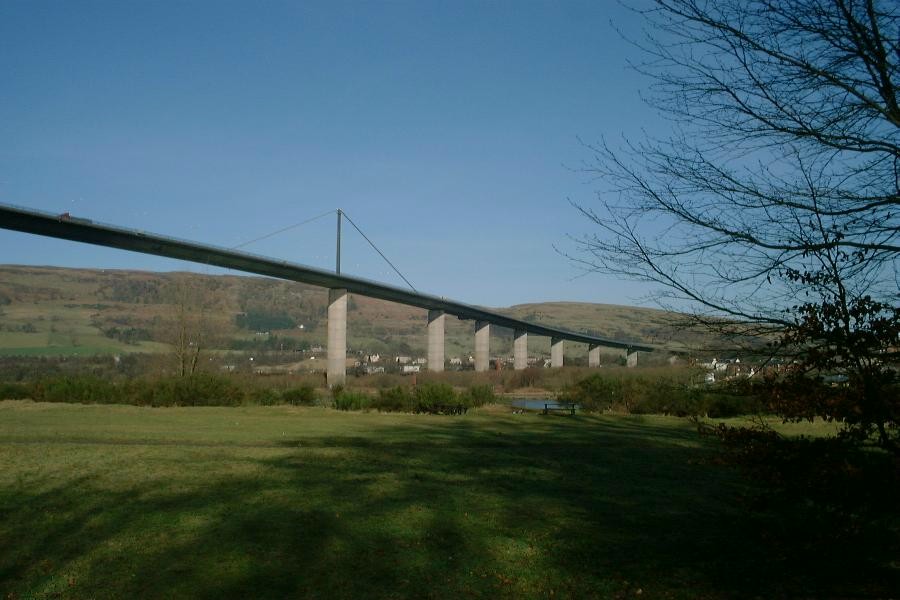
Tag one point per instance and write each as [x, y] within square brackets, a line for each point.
[198, 390]
[425, 398]
[659, 395]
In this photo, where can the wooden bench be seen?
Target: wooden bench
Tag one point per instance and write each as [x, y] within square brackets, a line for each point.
[568, 407]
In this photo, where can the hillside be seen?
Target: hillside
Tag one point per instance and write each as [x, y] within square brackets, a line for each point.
[60, 311]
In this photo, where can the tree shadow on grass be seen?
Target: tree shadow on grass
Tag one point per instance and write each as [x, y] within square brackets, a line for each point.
[440, 508]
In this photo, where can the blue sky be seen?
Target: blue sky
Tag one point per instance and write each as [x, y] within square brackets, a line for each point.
[447, 130]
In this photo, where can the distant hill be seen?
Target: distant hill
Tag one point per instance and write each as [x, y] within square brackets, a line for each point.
[60, 311]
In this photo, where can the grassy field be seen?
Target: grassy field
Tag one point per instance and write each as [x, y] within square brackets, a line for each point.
[124, 502]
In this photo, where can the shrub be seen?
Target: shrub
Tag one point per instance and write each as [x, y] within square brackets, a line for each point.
[200, 389]
[347, 400]
[527, 377]
[656, 394]
[14, 391]
[396, 399]
[304, 395]
[431, 396]
[262, 397]
[594, 393]
[478, 395]
[79, 389]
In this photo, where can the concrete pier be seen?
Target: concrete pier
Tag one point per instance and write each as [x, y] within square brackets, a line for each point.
[593, 355]
[631, 358]
[436, 340]
[520, 350]
[482, 345]
[556, 352]
[337, 337]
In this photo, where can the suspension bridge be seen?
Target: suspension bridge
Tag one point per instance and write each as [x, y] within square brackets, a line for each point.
[68, 227]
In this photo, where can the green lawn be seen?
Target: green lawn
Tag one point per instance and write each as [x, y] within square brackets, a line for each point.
[127, 502]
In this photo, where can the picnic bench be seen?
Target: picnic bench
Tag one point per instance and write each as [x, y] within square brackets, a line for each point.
[568, 407]
[449, 409]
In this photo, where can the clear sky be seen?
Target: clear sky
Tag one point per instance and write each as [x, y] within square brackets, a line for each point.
[447, 130]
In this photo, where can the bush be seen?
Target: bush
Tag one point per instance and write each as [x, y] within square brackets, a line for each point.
[396, 399]
[304, 395]
[839, 489]
[528, 377]
[431, 396]
[478, 395]
[347, 400]
[668, 395]
[262, 397]
[594, 393]
[200, 389]
[14, 391]
[79, 389]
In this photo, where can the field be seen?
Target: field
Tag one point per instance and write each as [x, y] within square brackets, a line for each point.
[58, 311]
[115, 502]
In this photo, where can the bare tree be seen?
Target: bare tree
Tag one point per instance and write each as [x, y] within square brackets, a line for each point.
[774, 206]
[188, 330]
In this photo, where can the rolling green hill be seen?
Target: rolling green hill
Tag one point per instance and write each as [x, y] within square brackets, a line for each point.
[60, 311]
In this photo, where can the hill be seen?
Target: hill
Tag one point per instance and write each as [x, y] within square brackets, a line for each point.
[62, 311]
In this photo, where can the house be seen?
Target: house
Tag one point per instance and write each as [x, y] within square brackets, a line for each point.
[408, 369]
[456, 361]
[403, 360]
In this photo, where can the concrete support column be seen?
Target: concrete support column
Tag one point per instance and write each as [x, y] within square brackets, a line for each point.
[631, 358]
[482, 345]
[436, 340]
[337, 337]
[556, 352]
[520, 350]
[593, 356]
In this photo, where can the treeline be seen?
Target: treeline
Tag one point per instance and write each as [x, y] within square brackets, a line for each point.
[201, 389]
[204, 389]
[432, 398]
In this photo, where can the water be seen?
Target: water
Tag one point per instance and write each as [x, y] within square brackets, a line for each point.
[533, 404]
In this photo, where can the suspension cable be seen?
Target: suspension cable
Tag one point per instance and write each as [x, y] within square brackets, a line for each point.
[282, 230]
[396, 270]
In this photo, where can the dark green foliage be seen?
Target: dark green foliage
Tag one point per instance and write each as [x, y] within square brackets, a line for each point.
[478, 395]
[14, 391]
[347, 400]
[200, 389]
[262, 397]
[661, 395]
[595, 393]
[128, 335]
[396, 399]
[855, 339]
[264, 321]
[300, 396]
[430, 397]
[830, 488]
[435, 398]
[84, 389]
